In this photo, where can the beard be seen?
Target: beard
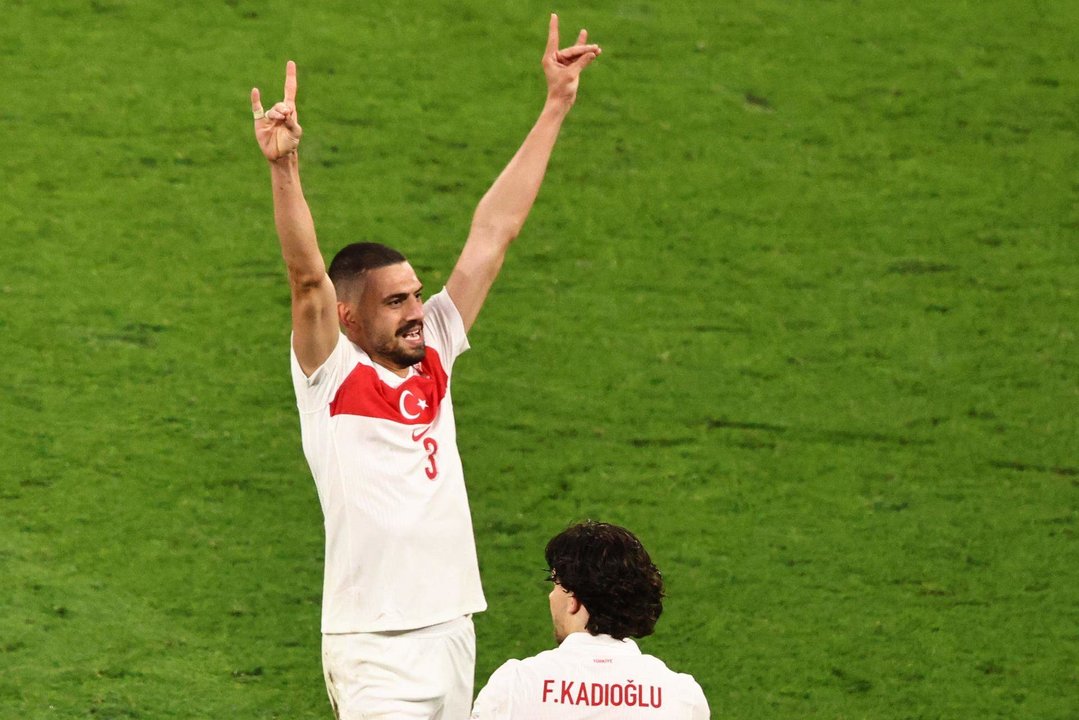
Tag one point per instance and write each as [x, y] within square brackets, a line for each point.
[407, 358]
[404, 356]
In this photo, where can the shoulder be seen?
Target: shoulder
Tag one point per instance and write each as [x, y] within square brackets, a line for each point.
[687, 685]
[441, 304]
[443, 326]
[512, 674]
[333, 370]
[695, 697]
[496, 697]
[540, 661]
[694, 691]
[507, 671]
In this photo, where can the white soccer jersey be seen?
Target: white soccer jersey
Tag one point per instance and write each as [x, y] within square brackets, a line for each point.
[593, 677]
[400, 552]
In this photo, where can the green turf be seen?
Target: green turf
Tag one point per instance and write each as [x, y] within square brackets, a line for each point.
[798, 304]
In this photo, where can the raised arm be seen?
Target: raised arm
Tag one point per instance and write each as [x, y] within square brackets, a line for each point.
[314, 303]
[502, 211]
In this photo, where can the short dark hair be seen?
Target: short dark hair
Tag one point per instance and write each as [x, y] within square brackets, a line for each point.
[610, 573]
[352, 261]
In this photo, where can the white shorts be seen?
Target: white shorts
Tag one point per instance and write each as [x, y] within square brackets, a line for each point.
[425, 673]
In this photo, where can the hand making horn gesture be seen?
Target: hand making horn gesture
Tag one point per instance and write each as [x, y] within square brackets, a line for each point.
[563, 67]
[278, 130]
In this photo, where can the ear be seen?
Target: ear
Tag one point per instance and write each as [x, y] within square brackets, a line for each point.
[347, 316]
[577, 615]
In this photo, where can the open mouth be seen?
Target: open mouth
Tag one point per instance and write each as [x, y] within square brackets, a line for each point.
[413, 334]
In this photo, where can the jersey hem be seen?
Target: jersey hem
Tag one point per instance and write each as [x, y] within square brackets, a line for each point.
[402, 625]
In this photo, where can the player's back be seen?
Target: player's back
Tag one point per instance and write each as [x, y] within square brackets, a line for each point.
[591, 677]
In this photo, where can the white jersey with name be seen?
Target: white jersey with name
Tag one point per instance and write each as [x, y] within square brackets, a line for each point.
[593, 677]
[400, 552]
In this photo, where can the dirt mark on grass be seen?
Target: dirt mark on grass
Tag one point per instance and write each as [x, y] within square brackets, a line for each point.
[835, 437]
[919, 267]
[1035, 467]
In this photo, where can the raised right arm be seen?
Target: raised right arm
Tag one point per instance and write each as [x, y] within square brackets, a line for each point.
[314, 302]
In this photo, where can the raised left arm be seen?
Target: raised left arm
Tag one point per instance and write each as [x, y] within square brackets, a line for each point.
[501, 213]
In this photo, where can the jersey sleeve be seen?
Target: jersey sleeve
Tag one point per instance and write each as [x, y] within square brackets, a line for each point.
[443, 327]
[495, 700]
[316, 390]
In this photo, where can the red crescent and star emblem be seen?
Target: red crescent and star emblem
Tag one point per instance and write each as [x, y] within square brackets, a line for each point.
[414, 402]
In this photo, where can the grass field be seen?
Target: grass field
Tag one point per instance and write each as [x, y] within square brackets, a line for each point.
[798, 304]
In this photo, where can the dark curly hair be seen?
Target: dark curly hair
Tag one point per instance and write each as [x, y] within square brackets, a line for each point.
[609, 572]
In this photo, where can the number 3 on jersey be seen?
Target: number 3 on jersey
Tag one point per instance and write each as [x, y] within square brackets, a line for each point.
[431, 447]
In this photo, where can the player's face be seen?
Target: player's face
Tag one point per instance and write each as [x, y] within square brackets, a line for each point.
[391, 316]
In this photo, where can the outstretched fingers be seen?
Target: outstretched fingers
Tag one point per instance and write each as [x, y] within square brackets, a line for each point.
[256, 104]
[552, 35]
[284, 111]
[277, 129]
[290, 83]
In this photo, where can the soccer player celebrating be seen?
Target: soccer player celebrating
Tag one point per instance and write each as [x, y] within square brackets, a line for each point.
[371, 365]
[606, 591]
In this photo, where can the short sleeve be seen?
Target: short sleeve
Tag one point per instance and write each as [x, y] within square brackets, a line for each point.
[316, 390]
[443, 326]
[495, 700]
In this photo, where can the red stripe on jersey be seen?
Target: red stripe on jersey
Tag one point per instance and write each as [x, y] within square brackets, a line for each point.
[413, 402]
